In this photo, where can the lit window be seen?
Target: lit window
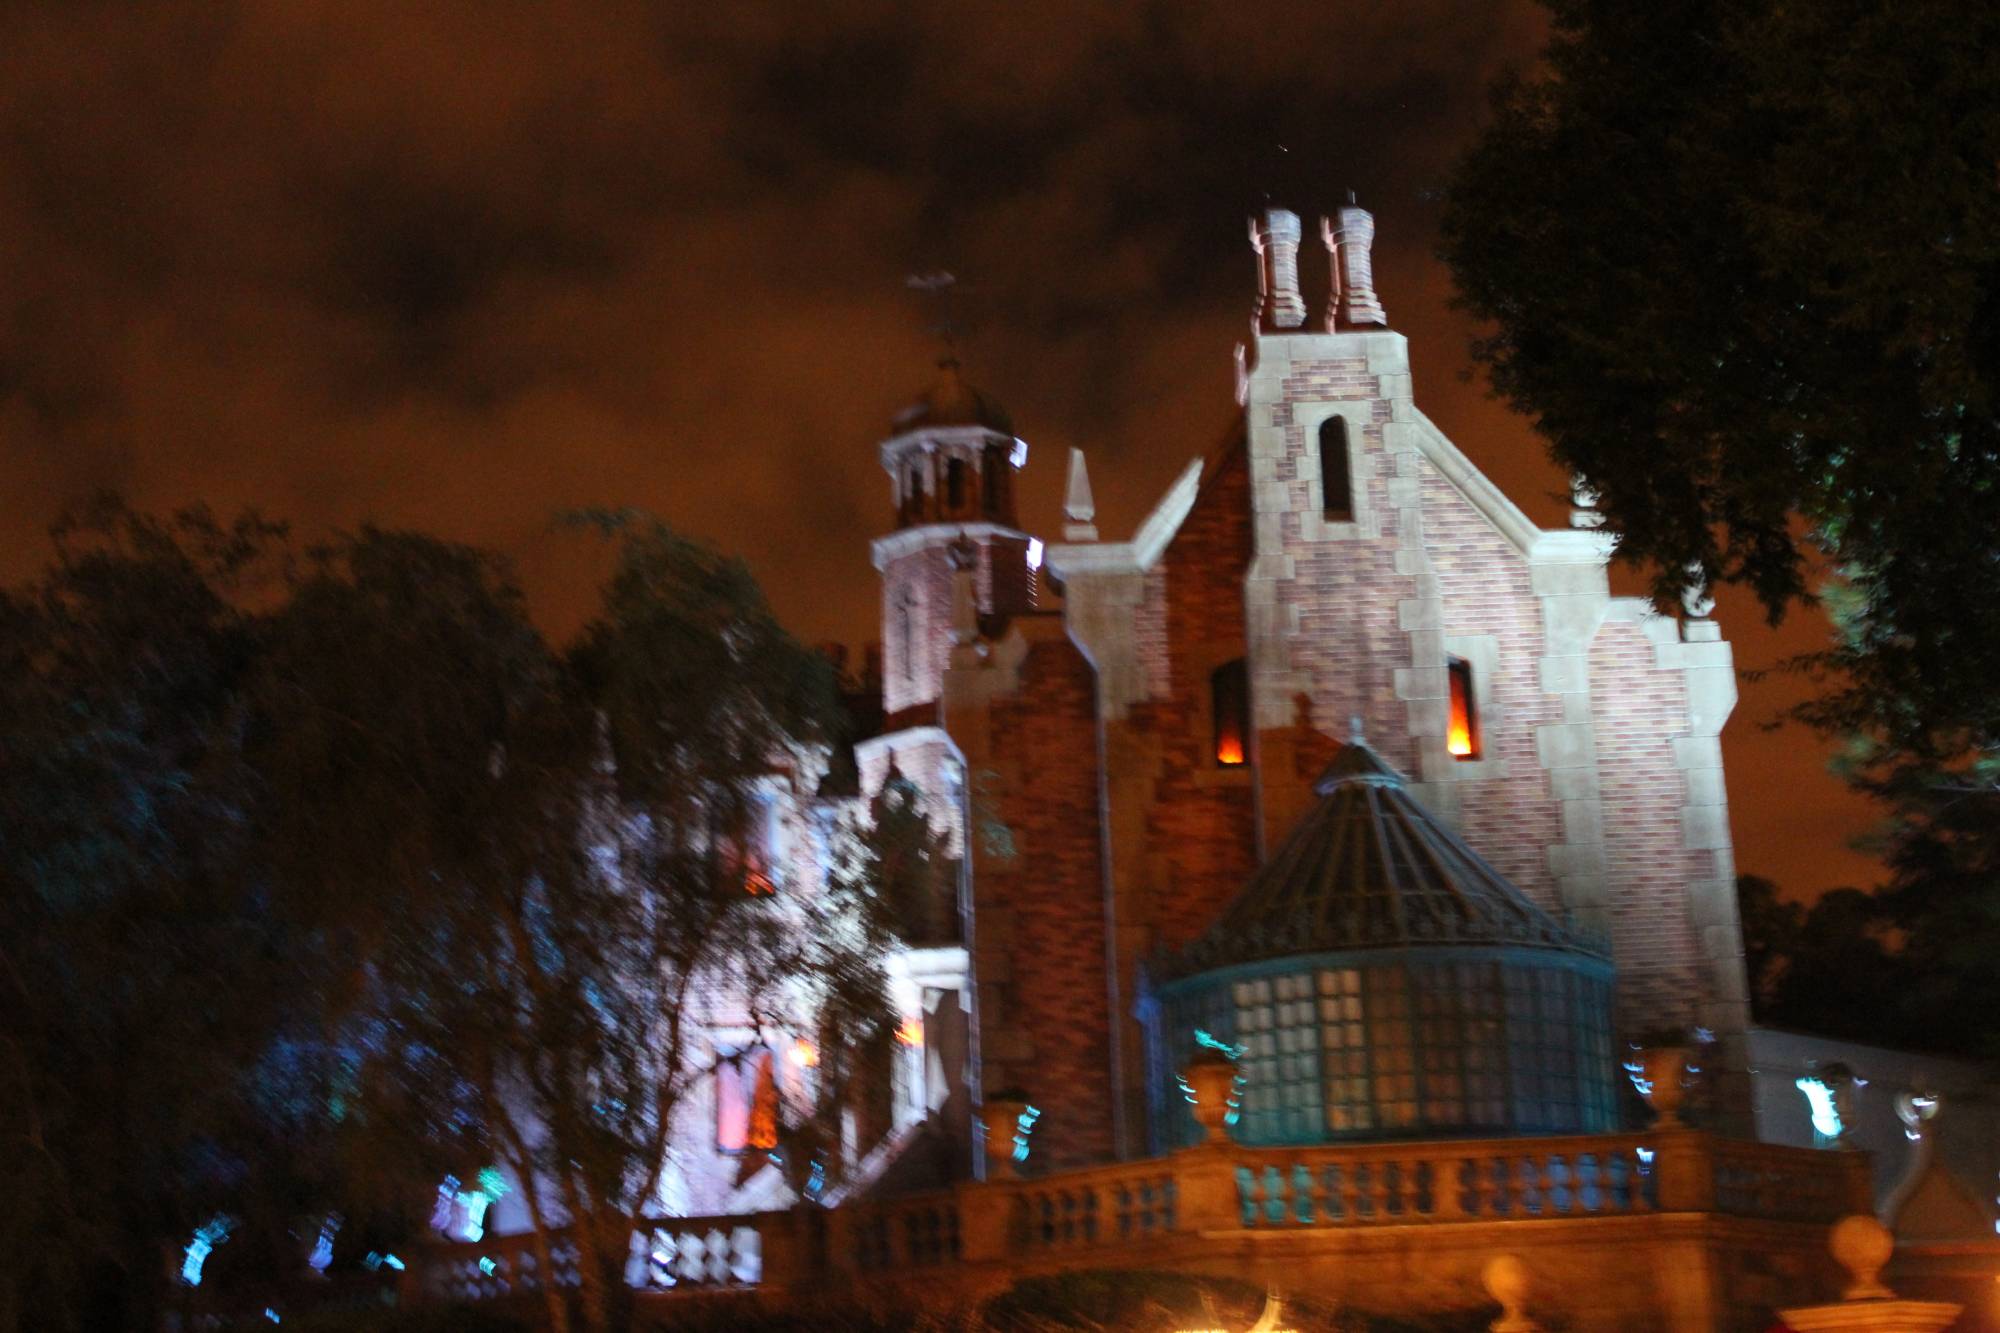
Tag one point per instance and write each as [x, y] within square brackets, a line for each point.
[1229, 695]
[1461, 735]
[746, 1101]
[1335, 489]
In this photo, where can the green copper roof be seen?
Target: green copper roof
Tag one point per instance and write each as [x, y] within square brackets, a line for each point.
[1369, 868]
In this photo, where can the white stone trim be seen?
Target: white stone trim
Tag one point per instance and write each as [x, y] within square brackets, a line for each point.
[1359, 414]
[928, 438]
[1491, 502]
[1148, 544]
[876, 746]
[906, 541]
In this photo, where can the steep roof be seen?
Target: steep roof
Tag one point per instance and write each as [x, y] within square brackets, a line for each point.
[1368, 867]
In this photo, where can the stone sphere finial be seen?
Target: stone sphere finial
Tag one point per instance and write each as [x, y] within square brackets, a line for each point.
[1506, 1281]
[1583, 499]
[1696, 599]
[1862, 1246]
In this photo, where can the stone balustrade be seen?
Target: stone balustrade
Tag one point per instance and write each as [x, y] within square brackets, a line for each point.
[1167, 1211]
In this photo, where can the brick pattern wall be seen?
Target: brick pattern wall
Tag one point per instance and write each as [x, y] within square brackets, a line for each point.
[1201, 827]
[1637, 708]
[1039, 928]
[1337, 599]
[1510, 818]
[924, 577]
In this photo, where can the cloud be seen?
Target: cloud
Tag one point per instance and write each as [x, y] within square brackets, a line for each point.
[464, 263]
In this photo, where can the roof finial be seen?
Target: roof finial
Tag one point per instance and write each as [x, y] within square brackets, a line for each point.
[1354, 736]
[939, 287]
[1078, 507]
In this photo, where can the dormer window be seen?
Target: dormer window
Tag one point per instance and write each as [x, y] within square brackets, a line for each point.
[1335, 485]
[1229, 699]
[1461, 735]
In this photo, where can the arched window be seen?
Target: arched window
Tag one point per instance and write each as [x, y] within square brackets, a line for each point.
[1461, 735]
[1229, 699]
[1336, 488]
[954, 484]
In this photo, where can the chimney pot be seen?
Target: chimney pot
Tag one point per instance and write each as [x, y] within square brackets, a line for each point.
[1350, 238]
[1276, 240]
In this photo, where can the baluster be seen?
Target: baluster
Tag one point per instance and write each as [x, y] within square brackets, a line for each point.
[1448, 1188]
[1548, 1183]
[1090, 1215]
[1492, 1179]
[1417, 1197]
[1302, 1194]
[1378, 1192]
[1350, 1192]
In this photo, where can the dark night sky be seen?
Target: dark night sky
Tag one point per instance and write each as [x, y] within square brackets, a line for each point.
[463, 263]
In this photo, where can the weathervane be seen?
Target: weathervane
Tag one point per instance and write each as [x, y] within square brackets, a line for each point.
[938, 288]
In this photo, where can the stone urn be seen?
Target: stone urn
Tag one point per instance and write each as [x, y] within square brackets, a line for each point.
[1000, 1115]
[1862, 1246]
[1211, 1077]
[1664, 1069]
[1506, 1281]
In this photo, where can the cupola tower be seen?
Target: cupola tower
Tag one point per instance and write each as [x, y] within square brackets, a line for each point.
[951, 460]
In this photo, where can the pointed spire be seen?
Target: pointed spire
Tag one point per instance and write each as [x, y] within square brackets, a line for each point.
[1078, 506]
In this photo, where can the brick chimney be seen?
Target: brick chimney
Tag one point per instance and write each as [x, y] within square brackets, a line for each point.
[1276, 240]
[1352, 303]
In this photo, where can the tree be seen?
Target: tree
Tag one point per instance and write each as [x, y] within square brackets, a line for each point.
[143, 980]
[559, 846]
[320, 886]
[1741, 263]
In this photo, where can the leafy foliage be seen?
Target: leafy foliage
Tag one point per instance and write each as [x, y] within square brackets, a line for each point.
[1741, 264]
[325, 873]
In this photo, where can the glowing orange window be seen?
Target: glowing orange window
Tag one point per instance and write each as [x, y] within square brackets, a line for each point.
[746, 1101]
[1229, 696]
[1461, 735]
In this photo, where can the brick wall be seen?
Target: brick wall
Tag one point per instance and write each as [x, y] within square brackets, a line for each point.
[1201, 826]
[1511, 817]
[1039, 928]
[1339, 599]
[924, 577]
[1637, 708]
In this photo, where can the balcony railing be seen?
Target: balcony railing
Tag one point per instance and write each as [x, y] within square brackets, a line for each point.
[1111, 1214]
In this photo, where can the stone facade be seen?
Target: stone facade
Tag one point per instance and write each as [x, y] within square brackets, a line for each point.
[1597, 783]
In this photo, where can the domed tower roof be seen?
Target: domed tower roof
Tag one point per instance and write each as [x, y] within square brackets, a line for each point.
[950, 401]
[1370, 868]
